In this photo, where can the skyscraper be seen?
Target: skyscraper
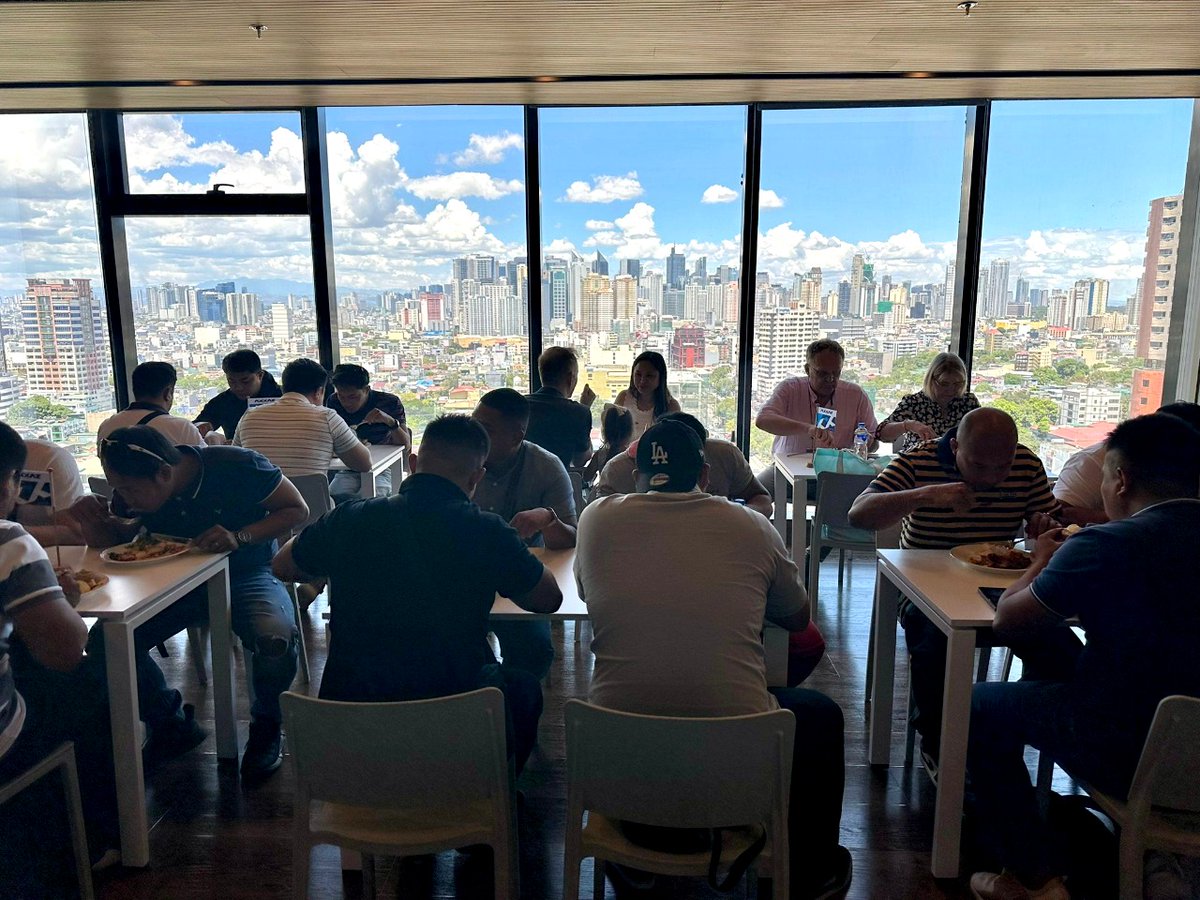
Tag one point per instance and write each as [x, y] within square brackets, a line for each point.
[1090, 297]
[676, 269]
[631, 267]
[624, 297]
[701, 268]
[281, 326]
[844, 299]
[1158, 279]
[596, 304]
[61, 329]
[600, 264]
[996, 302]
[856, 280]
[782, 336]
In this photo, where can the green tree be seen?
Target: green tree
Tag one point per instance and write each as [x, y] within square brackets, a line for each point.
[36, 408]
[1034, 415]
[1047, 375]
[1071, 369]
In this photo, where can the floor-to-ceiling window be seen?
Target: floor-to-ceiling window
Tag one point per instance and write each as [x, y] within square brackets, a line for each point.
[1081, 229]
[641, 242]
[56, 379]
[428, 211]
[858, 234]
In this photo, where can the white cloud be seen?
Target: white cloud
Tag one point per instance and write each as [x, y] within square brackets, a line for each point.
[718, 193]
[604, 189]
[768, 199]
[488, 149]
[598, 225]
[463, 184]
[364, 182]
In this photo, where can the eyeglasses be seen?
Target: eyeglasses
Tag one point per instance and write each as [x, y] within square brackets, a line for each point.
[819, 375]
[956, 385]
[109, 443]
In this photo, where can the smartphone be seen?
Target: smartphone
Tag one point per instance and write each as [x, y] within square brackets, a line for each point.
[991, 595]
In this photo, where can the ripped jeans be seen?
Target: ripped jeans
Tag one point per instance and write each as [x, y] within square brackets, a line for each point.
[262, 618]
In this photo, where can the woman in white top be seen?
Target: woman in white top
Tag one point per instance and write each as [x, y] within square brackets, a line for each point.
[647, 396]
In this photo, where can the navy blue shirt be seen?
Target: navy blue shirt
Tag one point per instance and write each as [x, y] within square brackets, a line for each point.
[375, 432]
[1130, 583]
[225, 410]
[559, 424]
[229, 491]
[415, 576]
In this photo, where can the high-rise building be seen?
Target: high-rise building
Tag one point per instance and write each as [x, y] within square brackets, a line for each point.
[1090, 297]
[1022, 291]
[782, 336]
[631, 267]
[843, 297]
[687, 347]
[624, 297]
[996, 300]
[676, 269]
[600, 264]
[210, 306]
[60, 326]
[1158, 279]
[856, 282]
[650, 289]
[596, 304]
[701, 268]
[281, 326]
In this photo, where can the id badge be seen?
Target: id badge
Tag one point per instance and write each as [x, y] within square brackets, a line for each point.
[826, 418]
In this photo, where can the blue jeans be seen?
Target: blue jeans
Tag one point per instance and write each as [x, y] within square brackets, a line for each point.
[526, 645]
[1007, 716]
[262, 618]
[346, 485]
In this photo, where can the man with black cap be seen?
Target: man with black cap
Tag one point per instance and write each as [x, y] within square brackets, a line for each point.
[678, 584]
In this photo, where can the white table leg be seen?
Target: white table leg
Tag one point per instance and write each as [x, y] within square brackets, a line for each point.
[952, 763]
[366, 488]
[222, 664]
[883, 671]
[780, 502]
[127, 750]
[800, 524]
[775, 651]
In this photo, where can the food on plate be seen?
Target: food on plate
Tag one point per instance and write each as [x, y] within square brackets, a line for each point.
[85, 579]
[1000, 556]
[1072, 529]
[143, 547]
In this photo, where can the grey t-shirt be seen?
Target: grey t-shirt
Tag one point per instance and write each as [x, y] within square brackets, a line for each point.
[729, 475]
[537, 478]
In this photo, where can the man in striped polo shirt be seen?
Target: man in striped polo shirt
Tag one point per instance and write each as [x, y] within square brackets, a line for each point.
[975, 483]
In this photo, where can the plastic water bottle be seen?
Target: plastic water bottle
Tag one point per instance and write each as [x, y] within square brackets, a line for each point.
[862, 440]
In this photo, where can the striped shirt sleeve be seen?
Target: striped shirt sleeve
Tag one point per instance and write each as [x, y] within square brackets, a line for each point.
[1041, 497]
[26, 576]
[898, 476]
[344, 439]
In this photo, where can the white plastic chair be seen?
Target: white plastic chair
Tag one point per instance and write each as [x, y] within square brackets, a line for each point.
[63, 758]
[402, 779]
[1163, 808]
[835, 493]
[730, 772]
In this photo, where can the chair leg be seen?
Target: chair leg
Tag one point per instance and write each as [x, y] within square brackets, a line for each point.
[910, 729]
[870, 658]
[985, 661]
[196, 647]
[79, 844]
[1132, 853]
[814, 575]
[1006, 666]
[1045, 781]
[841, 567]
[303, 643]
[597, 878]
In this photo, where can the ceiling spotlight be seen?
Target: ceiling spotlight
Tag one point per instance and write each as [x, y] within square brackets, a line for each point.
[967, 5]
[258, 28]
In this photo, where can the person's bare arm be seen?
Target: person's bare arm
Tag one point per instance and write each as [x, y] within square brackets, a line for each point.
[546, 597]
[53, 633]
[284, 566]
[891, 431]
[357, 458]
[775, 423]
[97, 525]
[882, 510]
[761, 503]
[556, 533]
[286, 511]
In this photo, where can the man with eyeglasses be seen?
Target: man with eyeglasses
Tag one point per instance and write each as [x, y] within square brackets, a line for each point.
[816, 410]
[223, 500]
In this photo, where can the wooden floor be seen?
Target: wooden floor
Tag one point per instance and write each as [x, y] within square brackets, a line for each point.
[212, 838]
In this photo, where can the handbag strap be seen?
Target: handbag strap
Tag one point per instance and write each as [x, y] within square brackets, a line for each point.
[738, 867]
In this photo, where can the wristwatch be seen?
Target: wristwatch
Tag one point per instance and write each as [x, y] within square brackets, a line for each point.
[398, 424]
[243, 537]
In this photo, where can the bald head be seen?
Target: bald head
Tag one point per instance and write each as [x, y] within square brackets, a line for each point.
[985, 446]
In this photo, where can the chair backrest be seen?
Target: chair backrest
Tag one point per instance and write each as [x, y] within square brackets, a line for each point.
[835, 494]
[444, 752]
[1168, 774]
[689, 773]
[577, 489]
[99, 486]
[315, 491]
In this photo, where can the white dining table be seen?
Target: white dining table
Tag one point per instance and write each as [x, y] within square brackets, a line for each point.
[135, 593]
[947, 591]
[383, 457]
[793, 469]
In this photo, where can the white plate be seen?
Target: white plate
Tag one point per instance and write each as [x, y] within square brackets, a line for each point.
[106, 555]
[964, 552]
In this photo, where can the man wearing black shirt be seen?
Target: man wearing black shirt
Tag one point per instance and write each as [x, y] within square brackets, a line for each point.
[556, 422]
[377, 417]
[417, 627]
[247, 380]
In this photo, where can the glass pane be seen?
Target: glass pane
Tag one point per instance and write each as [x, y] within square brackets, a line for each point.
[1078, 267]
[429, 244]
[858, 234]
[55, 369]
[205, 286]
[188, 153]
[641, 245]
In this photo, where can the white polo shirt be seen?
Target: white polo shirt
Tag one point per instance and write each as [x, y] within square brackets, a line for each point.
[180, 432]
[298, 437]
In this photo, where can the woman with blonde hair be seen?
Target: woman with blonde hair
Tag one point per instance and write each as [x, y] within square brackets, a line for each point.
[937, 408]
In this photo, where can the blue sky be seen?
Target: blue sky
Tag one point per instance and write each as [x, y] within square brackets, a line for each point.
[1068, 188]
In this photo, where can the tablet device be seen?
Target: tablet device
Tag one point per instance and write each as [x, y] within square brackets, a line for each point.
[991, 595]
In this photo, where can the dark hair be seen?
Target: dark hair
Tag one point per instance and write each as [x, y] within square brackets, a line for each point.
[508, 403]
[240, 361]
[661, 393]
[822, 346]
[616, 426]
[12, 449]
[1189, 412]
[555, 364]
[137, 452]
[1160, 454]
[304, 376]
[151, 379]
[348, 375]
[689, 420]
[455, 440]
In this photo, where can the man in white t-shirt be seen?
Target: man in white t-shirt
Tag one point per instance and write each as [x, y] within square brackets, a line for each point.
[153, 395]
[298, 432]
[49, 484]
[678, 584]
